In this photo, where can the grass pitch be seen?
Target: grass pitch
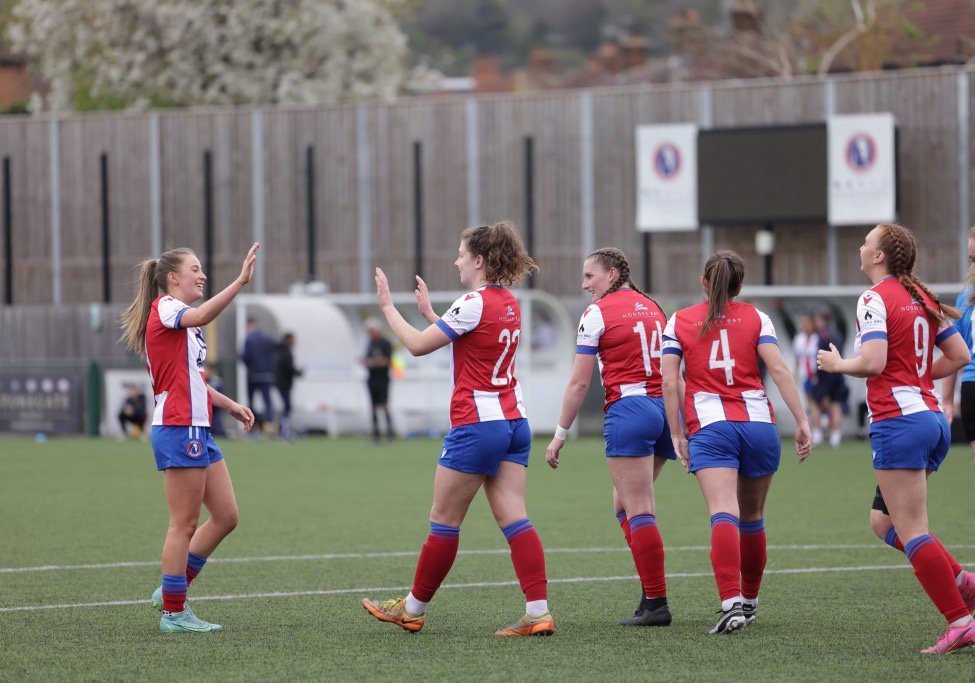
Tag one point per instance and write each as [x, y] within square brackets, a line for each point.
[325, 523]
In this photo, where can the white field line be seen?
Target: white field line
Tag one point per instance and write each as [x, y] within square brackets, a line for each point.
[413, 553]
[482, 584]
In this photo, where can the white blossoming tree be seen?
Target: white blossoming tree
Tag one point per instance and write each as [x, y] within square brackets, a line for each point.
[199, 52]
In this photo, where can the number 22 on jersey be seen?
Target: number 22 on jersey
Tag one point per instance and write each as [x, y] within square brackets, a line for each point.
[507, 337]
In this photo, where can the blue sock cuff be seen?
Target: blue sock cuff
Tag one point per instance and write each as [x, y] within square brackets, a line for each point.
[196, 561]
[724, 518]
[516, 529]
[638, 522]
[620, 516]
[891, 538]
[444, 531]
[916, 544]
[752, 528]
[174, 583]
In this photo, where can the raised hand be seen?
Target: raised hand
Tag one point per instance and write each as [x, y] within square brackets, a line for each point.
[423, 300]
[247, 270]
[382, 289]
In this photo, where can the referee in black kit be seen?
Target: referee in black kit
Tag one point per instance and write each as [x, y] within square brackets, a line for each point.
[379, 354]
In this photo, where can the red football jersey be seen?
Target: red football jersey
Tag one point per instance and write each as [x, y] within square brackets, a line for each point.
[887, 311]
[175, 359]
[722, 376]
[624, 330]
[485, 327]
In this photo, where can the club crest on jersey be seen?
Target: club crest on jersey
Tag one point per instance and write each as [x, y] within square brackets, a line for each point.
[194, 448]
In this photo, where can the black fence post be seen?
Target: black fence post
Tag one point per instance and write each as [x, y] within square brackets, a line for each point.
[310, 210]
[418, 207]
[106, 233]
[8, 240]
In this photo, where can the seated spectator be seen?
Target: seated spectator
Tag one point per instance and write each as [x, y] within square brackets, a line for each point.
[133, 411]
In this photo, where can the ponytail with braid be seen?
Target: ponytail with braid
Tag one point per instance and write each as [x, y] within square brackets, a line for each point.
[898, 245]
[724, 274]
[611, 257]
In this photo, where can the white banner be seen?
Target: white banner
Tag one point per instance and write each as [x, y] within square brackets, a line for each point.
[862, 161]
[666, 177]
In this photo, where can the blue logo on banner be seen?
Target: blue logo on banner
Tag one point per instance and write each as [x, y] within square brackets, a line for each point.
[861, 152]
[666, 160]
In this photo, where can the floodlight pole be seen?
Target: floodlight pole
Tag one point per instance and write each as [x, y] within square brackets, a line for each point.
[8, 230]
[106, 234]
[208, 219]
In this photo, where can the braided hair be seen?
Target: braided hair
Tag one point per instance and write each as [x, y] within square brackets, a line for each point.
[898, 245]
[724, 274]
[611, 257]
[506, 261]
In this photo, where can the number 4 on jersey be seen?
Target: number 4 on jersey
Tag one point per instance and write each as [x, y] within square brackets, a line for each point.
[728, 363]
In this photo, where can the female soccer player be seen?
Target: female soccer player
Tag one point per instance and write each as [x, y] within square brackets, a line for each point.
[909, 434]
[964, 324]
[160, 324]
[623, 328]
[489, 439]
[734, 447]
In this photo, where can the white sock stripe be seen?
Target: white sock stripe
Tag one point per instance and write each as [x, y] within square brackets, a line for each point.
[481, 584]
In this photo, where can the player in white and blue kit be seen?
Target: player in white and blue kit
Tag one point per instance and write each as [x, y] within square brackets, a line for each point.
[965, 303]
[161, 326]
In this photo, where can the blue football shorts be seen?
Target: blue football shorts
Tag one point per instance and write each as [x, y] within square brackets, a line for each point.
[752, 448]
[636, 426]
[184, 447]
[480, 448]
[910, 442]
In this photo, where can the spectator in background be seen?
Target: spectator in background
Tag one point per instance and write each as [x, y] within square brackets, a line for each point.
[133, 411]
[258, 356]
[805, 345]
[284, 377]
[215, 381]
[829, 391]
[379, 356]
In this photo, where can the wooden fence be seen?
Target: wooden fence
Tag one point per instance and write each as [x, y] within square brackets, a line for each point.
[473, 171]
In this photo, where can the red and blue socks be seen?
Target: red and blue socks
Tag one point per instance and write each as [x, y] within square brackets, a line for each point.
[753, 557]
[624, 525]
[174, 592]
[647, 547]
[726, 555]
[436, 558]
[194, 565]
[934, 572]
[893, 541]
[528, 559]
